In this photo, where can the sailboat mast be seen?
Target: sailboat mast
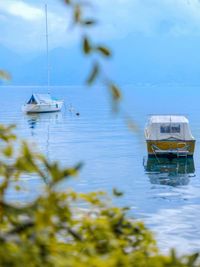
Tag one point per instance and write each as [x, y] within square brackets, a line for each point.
[47, 49]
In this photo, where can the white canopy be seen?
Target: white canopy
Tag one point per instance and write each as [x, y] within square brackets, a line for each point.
[164, 127]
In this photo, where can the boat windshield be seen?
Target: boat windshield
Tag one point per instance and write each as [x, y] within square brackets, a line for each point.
[170, 128]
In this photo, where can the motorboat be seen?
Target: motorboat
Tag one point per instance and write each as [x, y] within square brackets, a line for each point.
[169, 135]
[39, 103]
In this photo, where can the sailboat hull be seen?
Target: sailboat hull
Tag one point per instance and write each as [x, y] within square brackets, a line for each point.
[43, 108]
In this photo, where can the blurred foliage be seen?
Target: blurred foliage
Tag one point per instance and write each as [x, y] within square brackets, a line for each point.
[4, 75]
[98, 53]
[64, 228]
[90, 48]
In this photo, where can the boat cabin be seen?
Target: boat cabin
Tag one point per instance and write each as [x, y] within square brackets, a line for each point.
[37, 99]
[168, 127]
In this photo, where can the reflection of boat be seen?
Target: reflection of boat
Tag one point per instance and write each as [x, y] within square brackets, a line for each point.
[39, 103]
[169, 136]
[44, 119]
[172, 172]
[41, 122]
[32, 121]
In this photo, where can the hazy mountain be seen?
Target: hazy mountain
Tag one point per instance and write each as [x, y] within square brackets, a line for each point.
[15, 64]
[9, 61]
[136, 59]
[66, 67]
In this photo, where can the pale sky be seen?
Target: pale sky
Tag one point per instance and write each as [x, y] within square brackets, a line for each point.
[22, 22]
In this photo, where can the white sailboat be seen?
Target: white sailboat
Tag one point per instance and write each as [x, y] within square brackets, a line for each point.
[39, 103]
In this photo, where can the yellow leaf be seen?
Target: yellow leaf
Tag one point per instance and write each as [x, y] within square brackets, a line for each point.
[5, 75]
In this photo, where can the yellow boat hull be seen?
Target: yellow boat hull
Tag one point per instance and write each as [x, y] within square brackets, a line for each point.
[170, 148]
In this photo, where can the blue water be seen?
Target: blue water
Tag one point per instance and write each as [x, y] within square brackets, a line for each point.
[166, 195]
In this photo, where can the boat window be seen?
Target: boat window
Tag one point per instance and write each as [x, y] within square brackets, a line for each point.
[175, 128]
[170, 128]
[165, 128]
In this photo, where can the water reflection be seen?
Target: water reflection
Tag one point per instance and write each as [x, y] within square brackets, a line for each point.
[172, 172]
[32, 121]
[41, 124]
[44, 118]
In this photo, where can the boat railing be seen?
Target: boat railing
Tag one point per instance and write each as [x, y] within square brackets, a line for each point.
[179, 151]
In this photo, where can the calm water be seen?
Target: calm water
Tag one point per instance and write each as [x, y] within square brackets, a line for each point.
[166, 195]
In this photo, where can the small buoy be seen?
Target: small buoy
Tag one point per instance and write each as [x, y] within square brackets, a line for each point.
[77, 114]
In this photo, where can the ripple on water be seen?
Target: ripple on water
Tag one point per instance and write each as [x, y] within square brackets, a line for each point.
[167, 198]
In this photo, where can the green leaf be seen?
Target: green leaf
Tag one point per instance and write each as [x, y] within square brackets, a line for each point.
[88, 22]
[68, 2]
[104, 51]
[192, 259]
[8, 151]
[77, 14]
[94, 73]
[86, 46]
[131, 124]
[117, 193]
[116, 94]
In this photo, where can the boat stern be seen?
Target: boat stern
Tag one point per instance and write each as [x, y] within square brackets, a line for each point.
[170, 148]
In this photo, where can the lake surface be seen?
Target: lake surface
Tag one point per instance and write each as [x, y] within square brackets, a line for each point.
[166, 195]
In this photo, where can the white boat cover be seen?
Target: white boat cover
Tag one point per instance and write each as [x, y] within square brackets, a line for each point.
[162, 127]
[40, 99]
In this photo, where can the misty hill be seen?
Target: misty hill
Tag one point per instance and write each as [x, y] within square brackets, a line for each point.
[66, 67]
[136, 60]
[9, 61]
[14, 63]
